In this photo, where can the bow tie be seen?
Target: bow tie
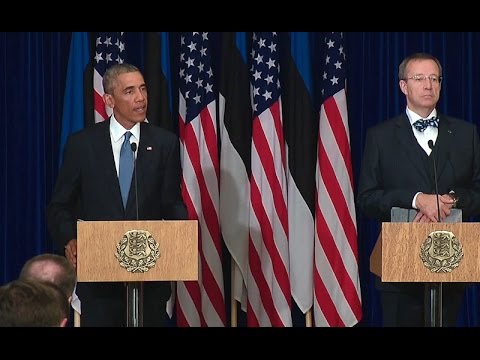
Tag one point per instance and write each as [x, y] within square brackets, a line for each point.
[422, 124]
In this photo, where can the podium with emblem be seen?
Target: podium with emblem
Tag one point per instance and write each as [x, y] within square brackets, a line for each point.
[430, 253]
[134, 252]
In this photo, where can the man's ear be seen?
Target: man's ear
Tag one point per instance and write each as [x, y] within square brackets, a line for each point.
[403, 86]
[108, 99]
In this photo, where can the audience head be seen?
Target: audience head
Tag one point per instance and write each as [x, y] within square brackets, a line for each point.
[32, 303]
[51, 268]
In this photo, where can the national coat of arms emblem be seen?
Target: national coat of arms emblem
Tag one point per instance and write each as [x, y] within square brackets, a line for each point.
[137, 251]
[441, 252]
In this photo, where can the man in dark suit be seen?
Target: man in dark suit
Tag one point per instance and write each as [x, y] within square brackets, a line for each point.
[88, 188]
[397, 170]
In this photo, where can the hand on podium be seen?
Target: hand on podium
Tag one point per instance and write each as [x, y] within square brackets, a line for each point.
[71, 252]
[428, 210]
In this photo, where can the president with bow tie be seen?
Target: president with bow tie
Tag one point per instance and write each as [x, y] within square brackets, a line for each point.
[397, 171]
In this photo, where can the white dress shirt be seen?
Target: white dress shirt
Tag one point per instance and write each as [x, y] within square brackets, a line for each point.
[117, 136]
[422, 137]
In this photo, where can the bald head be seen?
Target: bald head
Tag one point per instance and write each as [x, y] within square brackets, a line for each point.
[45, 270]
[51, 268]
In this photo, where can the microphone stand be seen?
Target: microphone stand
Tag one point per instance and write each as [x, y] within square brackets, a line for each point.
[135, 288]
[134, 304]
[434, 291]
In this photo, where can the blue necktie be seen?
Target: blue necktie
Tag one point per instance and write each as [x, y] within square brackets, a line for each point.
[125, 170]
[422, 124]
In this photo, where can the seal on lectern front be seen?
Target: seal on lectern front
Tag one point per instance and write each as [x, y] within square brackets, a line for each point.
[137, 251]
[441, 252]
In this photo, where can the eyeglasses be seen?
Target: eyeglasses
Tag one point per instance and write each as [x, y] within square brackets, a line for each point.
[421, 78]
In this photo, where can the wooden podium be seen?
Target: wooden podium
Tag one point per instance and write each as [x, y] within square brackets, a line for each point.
[106, 249]
[396, 255]
[399, 256]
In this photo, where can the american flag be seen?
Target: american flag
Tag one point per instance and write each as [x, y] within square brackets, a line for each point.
[109, 50]
[269, 299]
[200, 303]
[336, 279]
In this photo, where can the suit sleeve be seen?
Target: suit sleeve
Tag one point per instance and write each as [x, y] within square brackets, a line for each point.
[469, 190]
[62, 209]
[375, 198]
[173, 206]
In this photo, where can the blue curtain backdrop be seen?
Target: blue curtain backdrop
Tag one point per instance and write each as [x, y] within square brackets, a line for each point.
[33, 70]
[32, 82]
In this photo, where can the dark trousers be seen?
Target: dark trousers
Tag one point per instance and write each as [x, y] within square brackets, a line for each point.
[404, 304]
[105, 304]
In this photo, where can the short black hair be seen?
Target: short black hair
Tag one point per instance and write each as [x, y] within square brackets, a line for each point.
[111, 74]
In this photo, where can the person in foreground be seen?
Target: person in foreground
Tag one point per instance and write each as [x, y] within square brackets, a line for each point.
[32, 304]
[397, 171]
[88, 188]
[51, 268]
[55, 269]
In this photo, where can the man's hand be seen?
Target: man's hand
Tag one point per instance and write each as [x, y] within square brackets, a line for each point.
[427, 206]
[71, 252]
[449, 200]
[421, 217]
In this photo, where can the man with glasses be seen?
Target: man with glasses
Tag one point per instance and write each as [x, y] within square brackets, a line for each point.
[397, 171]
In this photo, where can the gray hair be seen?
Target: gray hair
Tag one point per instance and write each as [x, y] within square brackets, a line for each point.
[402, 68]
[112, 73]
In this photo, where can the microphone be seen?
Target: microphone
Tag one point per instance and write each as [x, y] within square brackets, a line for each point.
[435, 289]
[133, 146]
[135, 288]
[430, 145]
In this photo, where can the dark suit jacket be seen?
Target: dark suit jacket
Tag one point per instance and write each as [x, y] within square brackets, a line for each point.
[87, 188]
[394, 167]
[88, 175]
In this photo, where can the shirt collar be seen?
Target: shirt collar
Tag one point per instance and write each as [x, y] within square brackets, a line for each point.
[118, 130]
[413, 116]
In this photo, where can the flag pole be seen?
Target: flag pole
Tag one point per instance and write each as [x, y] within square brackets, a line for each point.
[233, 302]
[308, 318]
[76, 318]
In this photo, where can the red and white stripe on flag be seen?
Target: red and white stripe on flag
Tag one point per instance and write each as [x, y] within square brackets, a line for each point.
[200, 303]
[269, 299]
[109, 50]
[337, 299]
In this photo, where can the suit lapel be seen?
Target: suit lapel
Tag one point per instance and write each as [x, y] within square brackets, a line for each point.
[106, 163]
[443, 144]
[145, 147]
[410, 146]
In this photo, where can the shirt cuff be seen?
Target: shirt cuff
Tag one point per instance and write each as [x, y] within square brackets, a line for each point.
[414, 200]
